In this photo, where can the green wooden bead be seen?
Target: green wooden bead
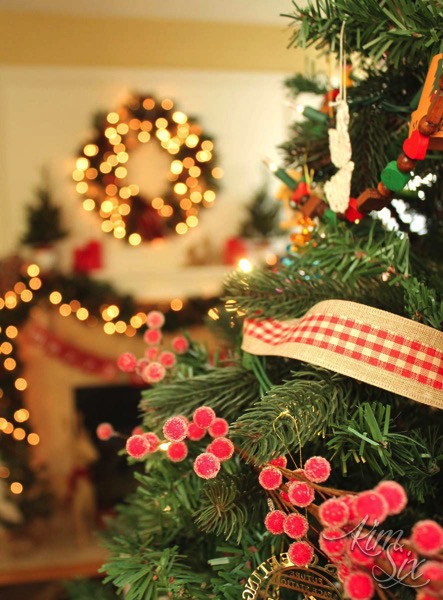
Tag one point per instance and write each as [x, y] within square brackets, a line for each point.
[393, 178]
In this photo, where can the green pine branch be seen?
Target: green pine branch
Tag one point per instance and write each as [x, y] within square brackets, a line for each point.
[390, 29]
[390, 450]
[226, 390]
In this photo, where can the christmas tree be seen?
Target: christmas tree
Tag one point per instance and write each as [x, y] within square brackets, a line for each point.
[307, 463]
[43, 219]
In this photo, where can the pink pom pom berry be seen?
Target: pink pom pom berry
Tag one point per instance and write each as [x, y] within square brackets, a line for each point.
[180, 344]
[427, 537]
[270, 478]
[317, 469]
[333, 513]
[300, 553]
[274, 522]
[155, 319]
[370, 506]
[195, 433]
[154, 372]
[137, 446]
[394, 494]
[206, 465]
[105, 431]
[204, 416]
[177, 451]
[152, 337]
[300, 494]
[359, 586]
[295, 526]
[175, 429]
[167, 359]
[222, 448]
[219, 428]
[126, 362]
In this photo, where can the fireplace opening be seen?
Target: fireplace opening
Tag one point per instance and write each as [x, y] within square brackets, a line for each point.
[110, 474]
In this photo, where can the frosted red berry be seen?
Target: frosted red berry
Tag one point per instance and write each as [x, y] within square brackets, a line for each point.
[284, 496]
[424, 594]
[359, 586]
[180, 344]
[126, 362]
[370, 507]
[317, 469]
[167, 359]
[222, 448]
[137, 430]
[300, 553]
[274, 521]
[400, 556]
[105, 431]
[333, 513]
[177, 451]
[333, 541]
[152, 337]
[394, 494]
[300, 494]
[137, 446]
[195, 433]
[362, 551]
[151, 353]
[141, 364]
[270, 478]
[206, 465]
[154, 372]
[295, 526]
[343, 571]
[432, 572]
[204, 416]
[175, 429]
[153, 441]
[219, 428]
[279, 461]
[155, 319]
[427, 537]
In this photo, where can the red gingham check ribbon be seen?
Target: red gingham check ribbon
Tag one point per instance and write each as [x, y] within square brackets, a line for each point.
[362, 342]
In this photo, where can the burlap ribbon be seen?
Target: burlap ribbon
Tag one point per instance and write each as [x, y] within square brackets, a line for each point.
[365, 343]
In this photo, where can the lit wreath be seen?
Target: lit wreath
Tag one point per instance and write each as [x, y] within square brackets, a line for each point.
[101, 174]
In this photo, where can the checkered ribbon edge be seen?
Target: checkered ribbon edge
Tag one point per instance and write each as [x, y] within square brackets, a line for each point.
[362, 342]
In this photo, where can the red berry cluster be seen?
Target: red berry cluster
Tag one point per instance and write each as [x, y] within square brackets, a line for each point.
[300, 494]
[364, 557]
[153, 367]
[176, 430]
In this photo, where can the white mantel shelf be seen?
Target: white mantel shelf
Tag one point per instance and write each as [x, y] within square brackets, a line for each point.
[162, 285]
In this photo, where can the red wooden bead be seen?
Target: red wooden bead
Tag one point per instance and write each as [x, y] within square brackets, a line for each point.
[435, 111]
[370, 200]
[405, 164]
[425, 127]
[384, 191]
[352, 213]
[313, 207]
[416, 146]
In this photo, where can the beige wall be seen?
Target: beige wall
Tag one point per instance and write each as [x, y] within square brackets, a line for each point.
[32, 39]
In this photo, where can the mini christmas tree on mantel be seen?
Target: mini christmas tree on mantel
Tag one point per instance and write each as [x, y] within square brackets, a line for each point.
[326, 484]
[43, 227]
